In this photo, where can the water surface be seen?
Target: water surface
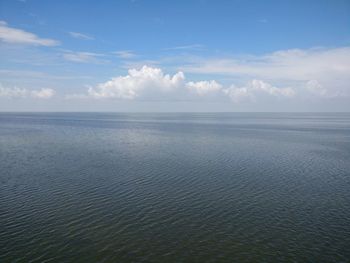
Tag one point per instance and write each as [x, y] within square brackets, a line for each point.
[224, 187]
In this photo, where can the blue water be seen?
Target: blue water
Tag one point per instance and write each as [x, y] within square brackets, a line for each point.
[223, 187]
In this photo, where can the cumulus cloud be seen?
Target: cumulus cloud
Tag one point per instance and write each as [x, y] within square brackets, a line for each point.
[136, 82]
[316, 88]
[255, 89]
[239, 94]
[204, 87]
[43, 93]
[261, 86]
[148, 81]
[15, 92]
[19, 36]
[81, 36]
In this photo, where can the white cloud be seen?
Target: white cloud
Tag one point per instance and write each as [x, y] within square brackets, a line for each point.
[255, 89]
[15, 92]
[81, 36]
[12, 92]
[151, 82]
[19, 36]
[315, 87]
[187, 47]
[293, 64]
[329, 67]
[10, 74]
[83, 57]
[239, 94]
[204, 87]
[261, 86]
[43, 93]
[125, 54]
[136, 82]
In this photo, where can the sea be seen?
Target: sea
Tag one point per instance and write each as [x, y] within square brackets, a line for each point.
[174, 187]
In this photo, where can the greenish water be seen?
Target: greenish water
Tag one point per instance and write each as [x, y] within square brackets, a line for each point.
[225, 187]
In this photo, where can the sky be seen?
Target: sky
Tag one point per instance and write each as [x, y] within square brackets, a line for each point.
[175, 56]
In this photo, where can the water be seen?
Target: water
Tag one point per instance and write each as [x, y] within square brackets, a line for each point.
[226, 187]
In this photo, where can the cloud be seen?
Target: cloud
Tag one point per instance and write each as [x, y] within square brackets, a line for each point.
[81, 36]
[130, 63]
[329, 67]
[315, 87]
[255, 89]
[204, 87]
[12, 92]
[126, 54]
[18, 36]
[83, 57]
[43, 93]
[10, 74]
[239, 94]
[15, 92]
[293, 64]
[186, 47]
[149, 82]
[136, 82]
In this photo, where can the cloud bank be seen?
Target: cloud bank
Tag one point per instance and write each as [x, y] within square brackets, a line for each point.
[151, 82]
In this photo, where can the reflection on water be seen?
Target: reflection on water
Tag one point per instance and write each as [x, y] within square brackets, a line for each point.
[226, 187]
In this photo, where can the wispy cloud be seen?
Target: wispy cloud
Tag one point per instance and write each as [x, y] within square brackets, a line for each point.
[329, 67]
[128, 64]
[187, 47]
[84, 57]
[125, 54]
[294, 64]
[81, 36]
[19, 36]
[10, 74]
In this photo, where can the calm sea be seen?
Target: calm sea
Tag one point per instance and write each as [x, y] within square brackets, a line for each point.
[224, 187]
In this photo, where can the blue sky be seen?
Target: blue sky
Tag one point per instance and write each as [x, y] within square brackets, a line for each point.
[174, 55]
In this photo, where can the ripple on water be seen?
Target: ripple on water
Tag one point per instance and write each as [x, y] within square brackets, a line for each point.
[170, 188]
